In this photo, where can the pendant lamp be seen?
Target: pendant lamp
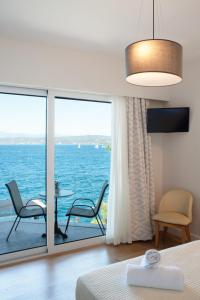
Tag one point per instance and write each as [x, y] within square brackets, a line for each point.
[154, 62]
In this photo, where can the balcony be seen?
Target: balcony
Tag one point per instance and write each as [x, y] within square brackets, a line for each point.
[29, 234]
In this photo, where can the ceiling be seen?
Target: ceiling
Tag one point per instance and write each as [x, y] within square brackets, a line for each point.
[103, 25]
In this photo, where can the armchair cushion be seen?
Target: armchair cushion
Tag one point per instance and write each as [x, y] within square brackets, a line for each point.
[172, 218]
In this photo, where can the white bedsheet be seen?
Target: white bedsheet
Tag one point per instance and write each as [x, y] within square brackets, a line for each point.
[109, 283]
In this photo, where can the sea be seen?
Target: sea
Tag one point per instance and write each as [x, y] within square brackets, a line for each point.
[81, 169]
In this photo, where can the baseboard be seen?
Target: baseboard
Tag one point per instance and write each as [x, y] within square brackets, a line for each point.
[176, 233]
[195, 236]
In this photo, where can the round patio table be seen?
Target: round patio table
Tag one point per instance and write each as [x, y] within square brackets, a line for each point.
[61, 194]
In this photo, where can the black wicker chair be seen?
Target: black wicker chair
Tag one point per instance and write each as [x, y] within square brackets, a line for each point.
[21, 210]
[88, 211]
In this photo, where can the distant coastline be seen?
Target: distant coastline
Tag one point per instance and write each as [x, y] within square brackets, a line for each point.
[62, 140]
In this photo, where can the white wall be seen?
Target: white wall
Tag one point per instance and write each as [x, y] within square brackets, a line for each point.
[47, 66]
[182, 150]
[157, 154]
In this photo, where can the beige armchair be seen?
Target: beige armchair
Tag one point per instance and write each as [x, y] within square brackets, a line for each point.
[175, 211]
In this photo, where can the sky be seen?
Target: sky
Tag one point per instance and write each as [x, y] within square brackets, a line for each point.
[25, 115]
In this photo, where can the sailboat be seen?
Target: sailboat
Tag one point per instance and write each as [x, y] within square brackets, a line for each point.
[97, 146]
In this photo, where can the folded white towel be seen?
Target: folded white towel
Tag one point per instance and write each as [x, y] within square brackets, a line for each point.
[151, 258]
[161, 277]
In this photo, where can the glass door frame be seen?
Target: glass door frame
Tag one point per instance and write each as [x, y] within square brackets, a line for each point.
[51, 248]
[23, 254]
[72, 95]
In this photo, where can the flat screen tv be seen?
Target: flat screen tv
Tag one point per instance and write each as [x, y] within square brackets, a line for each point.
[173, 119]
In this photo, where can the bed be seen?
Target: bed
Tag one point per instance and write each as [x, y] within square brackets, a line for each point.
[109, 283]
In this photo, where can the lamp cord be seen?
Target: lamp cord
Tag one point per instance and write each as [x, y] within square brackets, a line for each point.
[153, 22]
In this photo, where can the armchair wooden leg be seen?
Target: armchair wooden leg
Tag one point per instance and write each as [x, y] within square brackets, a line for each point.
[184, 234]
[165, 232]
[187, 231]
[157, 234]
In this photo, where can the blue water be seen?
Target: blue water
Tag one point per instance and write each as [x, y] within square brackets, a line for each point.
[82, 170]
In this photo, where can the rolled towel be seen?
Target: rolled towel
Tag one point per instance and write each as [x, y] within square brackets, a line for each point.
[151, 259]
[162, 277]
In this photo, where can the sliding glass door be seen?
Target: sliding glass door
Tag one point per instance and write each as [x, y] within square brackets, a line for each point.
[23, 169]
[82, 166]
[53, 151]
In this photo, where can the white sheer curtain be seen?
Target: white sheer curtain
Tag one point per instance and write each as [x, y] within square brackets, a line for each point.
[131, 196]
[119, 219]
